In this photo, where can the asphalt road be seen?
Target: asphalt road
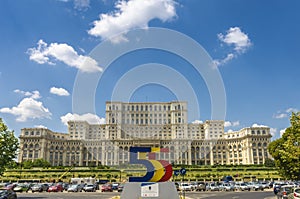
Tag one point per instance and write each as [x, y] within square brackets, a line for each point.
[232, 195]
[66, 195]
[189, 195]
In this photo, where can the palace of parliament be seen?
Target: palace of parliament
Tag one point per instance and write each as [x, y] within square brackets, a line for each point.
[156, 124]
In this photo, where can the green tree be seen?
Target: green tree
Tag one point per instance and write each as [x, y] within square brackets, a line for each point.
[41, 163]
[27, 164]
[8, 146]
[286, 150]
[269, 162]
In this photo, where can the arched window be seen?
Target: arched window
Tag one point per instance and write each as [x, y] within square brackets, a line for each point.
[259, 144]
[265, 144]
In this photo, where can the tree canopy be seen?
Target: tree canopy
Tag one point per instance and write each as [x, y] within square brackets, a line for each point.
[286, 150]
[8, 146]
[36, 163]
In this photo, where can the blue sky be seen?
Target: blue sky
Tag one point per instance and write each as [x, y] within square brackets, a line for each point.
[253, 44]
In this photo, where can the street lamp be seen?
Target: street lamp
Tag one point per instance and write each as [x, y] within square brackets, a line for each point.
[121, 175]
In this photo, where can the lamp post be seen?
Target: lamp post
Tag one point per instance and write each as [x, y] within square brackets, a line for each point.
[121, 171]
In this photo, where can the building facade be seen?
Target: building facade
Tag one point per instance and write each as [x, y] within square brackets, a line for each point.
[163, 125]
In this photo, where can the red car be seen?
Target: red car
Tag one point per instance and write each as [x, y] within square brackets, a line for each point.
[56, 188]
[106, 187]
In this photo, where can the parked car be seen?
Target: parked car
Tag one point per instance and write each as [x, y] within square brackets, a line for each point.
[177, 186]
[89, 188]
[265, 185]
[73, 188]
[276, 187]
[255, 186]
[21, 188]
[115, 186]
[226, 187]
[10, 186]
[285, 191]
[242, 186]
[80, 187]
[297, 193]
[7, 194]
[55, 188]
[212, 187]
[106, 188]
[201, 186]
[45, 186]
[65, 186]
[185, 187]
[37, 188]
[120, 187]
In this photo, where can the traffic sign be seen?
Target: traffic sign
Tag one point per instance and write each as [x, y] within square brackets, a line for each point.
[182, 171]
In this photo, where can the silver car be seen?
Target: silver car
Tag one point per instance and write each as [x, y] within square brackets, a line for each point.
[89, 188]
[73, 188]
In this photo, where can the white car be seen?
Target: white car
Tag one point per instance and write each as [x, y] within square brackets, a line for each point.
[185, 187]
[244, 187]
[226, 187]
[213, 187]
[297, 193]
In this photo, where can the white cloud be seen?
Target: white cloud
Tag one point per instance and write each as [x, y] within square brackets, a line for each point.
[282, 131]
[130, 15]
[89, 117]
[220, 62]
[285, 113]
[64, 53]
[40, 126]
[197, 122]
[258, 125]
[289, 110]
[59, 91]
[230, 131]
[33, 94]
[81, 4]
[231, 124]
[28, 108]
[273, 131]
[280, 115]
[236, 38]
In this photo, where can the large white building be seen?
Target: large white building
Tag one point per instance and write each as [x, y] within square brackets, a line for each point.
[159, 124]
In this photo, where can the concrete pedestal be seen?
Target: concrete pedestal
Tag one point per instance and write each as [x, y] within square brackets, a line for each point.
[149, 190]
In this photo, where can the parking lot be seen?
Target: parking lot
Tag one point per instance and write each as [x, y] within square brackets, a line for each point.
[189, 195]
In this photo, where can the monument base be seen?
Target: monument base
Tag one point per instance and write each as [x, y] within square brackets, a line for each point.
[149, 190]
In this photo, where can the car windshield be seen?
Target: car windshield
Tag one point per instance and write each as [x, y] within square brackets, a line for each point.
[3, 192]
[288, 189]
[89, 185]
